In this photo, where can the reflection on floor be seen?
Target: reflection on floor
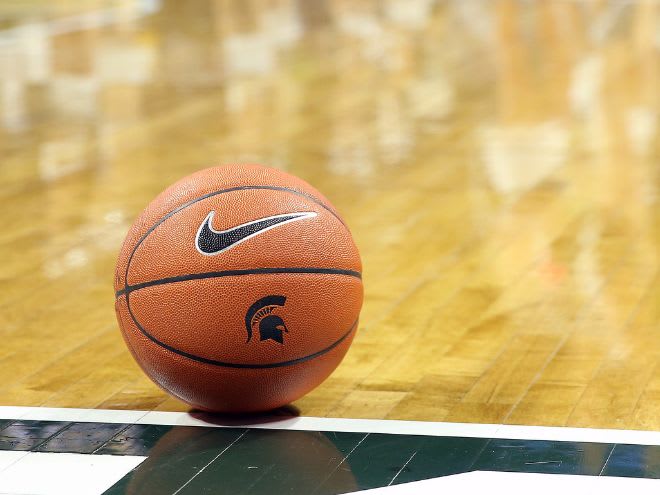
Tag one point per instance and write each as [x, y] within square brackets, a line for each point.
[272, 457]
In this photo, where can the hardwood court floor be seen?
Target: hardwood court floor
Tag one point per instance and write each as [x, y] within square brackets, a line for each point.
[498, 163]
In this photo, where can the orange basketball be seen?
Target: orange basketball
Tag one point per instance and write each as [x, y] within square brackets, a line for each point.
[238, 289]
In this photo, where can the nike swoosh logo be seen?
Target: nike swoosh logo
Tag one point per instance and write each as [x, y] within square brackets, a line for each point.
[210, 241]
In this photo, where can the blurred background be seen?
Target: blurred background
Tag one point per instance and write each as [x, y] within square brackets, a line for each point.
[497, 161]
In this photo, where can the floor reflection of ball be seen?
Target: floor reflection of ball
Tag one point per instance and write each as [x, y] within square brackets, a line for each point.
[277, 461]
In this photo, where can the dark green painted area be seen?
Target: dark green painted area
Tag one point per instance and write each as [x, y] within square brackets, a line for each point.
[327, 463]
[313, 461]
[122, 486]
[203, 460]
[270, 461]
[27, 435]
[135, 440]
[377, 458]
[82, 438]
[541, 456]
[633, 461]
[442, 456]
[179, 456]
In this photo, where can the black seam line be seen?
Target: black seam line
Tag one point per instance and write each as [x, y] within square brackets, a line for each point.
[238, 365]
[236, 273]
[46, 440]
[104, 444]
[215, 193]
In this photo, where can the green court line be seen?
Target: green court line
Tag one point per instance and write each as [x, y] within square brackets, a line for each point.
[261, 461]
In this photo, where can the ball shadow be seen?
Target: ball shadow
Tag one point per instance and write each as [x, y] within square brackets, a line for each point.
[223, 419]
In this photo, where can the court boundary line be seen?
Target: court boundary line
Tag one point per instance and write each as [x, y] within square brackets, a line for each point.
[306, 423]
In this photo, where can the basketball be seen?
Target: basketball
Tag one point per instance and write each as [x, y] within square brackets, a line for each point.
[238, 289]
[497, 164]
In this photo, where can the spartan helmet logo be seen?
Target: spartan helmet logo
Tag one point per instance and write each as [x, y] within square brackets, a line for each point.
[263, 316]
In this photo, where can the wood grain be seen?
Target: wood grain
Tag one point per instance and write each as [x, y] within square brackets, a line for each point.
[497, 162]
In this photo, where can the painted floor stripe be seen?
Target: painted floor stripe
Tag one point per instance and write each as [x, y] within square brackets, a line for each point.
[47, 473]
[503, 483]
[474, 430]
[9, 457]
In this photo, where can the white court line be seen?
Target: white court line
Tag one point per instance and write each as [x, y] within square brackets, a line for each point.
[503, 483]
[9, 457]
[474, 430]
[71, 414]
[50, 473]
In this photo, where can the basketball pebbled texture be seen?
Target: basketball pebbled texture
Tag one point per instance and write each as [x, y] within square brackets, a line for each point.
[253, 318]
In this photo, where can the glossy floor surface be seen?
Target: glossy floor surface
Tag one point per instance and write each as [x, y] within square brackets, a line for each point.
[164, 454]
[497, 161]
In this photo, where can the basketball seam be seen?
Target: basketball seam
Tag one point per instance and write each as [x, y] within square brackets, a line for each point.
[216, 193]
[225, 364]
[127, 289]
[236, 273]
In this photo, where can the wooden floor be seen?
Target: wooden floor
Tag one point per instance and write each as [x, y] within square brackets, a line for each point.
[497, 162]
